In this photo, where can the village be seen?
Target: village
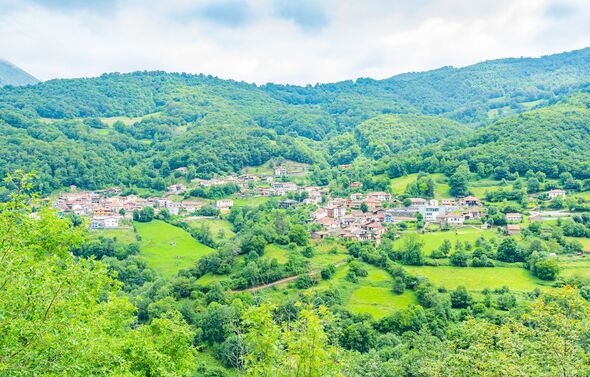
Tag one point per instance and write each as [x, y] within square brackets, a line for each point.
[360, 216]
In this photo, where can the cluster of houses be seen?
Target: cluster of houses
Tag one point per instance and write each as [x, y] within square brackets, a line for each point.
[106, 208]
[343, 217]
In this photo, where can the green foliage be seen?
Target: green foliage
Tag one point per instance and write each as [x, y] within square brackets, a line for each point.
[63, 315]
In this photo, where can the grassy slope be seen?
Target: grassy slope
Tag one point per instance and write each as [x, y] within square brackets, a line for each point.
[476, 279]
[435, 239]
[167, 248]
[441, 191]
[123, 235]
[215, 225]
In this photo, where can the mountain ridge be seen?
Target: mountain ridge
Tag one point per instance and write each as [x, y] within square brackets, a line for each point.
[10, 74]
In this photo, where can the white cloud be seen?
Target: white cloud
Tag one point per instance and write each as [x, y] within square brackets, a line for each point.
[267, 40]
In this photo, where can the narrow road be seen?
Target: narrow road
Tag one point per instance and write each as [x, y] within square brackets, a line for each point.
[284, 280]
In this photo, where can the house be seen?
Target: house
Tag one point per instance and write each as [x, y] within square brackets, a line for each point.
[318, 235]
[101, 211]
[280, 171]
[176, 188]
[328, 223]
[556, 193]
[191, 206]
[535, 217]
[181, 170]
[453, 219]
[287, 203]
[418, 202]
[473, 213]
[356, 185]
[470, 201]
[104, 222]
[513, 217]
[430, 214]
[224, 203]
[346, 221]
[372, 204]
[447, 202]
[512, 229]
[335, 212]
[356, 196]
[380, 196]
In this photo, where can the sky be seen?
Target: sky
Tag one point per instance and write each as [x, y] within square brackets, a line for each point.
[282, 41]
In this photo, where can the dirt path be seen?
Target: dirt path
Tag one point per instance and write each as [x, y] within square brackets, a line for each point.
[284, 280]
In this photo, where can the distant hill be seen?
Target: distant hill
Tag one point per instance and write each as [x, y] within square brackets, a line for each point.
[13, 75]
[134, 129]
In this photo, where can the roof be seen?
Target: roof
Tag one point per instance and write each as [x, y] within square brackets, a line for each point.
[557, 191]
[513, 227]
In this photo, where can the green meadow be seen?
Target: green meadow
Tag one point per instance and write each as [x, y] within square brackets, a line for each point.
[215, 227]
[168, 249]
[480, 187]
[123, 235]
[441, 190]
[433, 240]
[478, 278]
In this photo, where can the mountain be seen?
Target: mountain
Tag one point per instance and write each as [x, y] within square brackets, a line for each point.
[134, 129]
[13, 75]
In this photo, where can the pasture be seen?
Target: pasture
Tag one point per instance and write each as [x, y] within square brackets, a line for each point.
[433, 240]
[478, 278]
[441, 189]
[123, 235]
[168, 249]
[217, 227]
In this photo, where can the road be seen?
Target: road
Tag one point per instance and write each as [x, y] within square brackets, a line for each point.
[284, 280]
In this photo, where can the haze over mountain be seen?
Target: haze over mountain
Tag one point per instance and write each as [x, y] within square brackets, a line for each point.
[13, 75]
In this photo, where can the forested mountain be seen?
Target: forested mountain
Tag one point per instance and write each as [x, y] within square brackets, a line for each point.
[13, 75]
[135, 129]
[476, 93]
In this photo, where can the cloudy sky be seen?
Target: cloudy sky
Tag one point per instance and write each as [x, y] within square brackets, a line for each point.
[286, 41]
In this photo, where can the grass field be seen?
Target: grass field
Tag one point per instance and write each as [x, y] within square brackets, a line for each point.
[215, 226]
[479, 188]
[476, 279]
[253, 201]
[441, 190]
[123, 235]
[434, 239]
[168, 249]
[274, 251]
[571, 266]
[584, 241]
[584, 195]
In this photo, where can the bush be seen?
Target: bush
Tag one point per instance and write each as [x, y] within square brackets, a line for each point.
[399, 286]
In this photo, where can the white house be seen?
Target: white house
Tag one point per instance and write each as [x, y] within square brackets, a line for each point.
[104, 222]
[556, 193]
[453, 219]
[513, 217]
[224, 203]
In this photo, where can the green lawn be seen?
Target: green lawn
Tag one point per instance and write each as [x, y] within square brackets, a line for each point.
[584, 195]
[476, 279]
[571, 266]
[253, 201]
[584, 241]
[274, 251]
[441, 190]
[215, 226]
[123, 235]
[479, 188]
[167, 248]
[378, 302]
[434, 239]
